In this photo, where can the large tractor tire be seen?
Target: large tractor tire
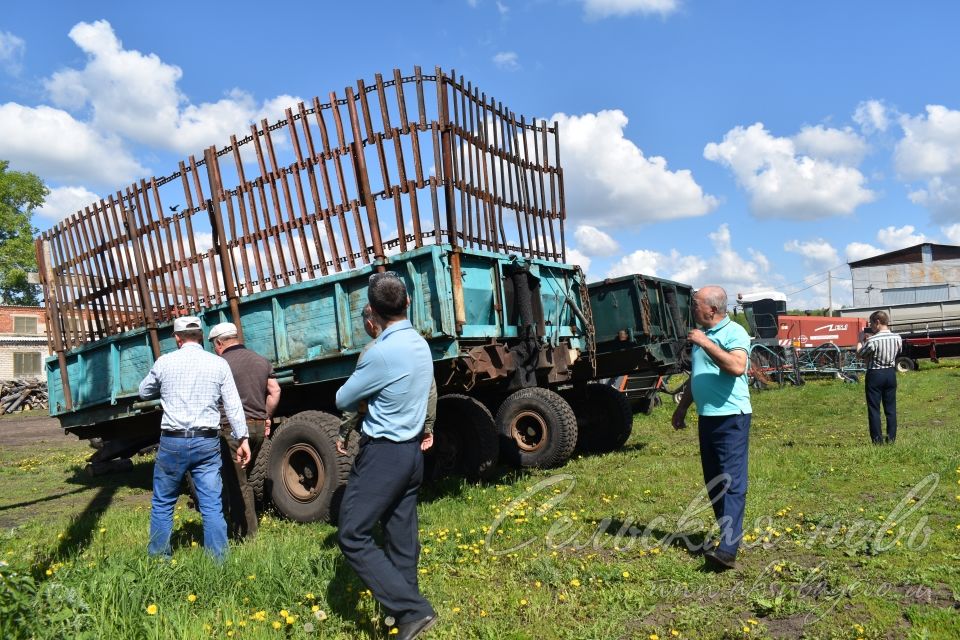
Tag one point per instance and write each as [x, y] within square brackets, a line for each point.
[306, 474]
[604, 418]
[465, 441]
[537, 428]
[258, 479]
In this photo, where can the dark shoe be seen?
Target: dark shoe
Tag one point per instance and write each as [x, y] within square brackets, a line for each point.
[413, 629]
[718, 560]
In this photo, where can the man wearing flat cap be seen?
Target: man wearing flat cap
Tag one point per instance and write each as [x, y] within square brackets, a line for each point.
[259, 394]
[191, 384]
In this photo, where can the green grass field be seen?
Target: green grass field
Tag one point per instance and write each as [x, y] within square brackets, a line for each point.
[847, 540]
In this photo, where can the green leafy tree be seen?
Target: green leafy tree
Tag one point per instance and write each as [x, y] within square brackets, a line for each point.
[20, 194]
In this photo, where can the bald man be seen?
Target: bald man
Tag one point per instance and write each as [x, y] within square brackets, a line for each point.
[718, 386]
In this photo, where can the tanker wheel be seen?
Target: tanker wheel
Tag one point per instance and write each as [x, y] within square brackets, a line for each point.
[604, 418]
[306, 474]
[537, 428]
[905, 364]
[258, 479]
[465, 440]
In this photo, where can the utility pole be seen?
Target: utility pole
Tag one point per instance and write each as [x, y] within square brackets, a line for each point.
[829, 293]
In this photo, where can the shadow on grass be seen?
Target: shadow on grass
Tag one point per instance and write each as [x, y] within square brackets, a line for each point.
[80, 531]
[343, 596]
[640, 533]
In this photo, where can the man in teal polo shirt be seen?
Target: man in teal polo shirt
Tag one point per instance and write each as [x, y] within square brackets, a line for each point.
[718, 386]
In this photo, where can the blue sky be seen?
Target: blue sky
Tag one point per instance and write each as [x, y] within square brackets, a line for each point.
[752, 144]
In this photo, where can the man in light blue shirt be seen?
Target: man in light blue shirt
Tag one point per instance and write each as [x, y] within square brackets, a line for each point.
[394, 378]
[718, 386]
[191, 382]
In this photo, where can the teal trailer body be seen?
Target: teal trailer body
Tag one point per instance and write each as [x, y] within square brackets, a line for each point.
[312, 332]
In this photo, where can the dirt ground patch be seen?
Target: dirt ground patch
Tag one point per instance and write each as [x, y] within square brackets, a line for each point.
[32, 429]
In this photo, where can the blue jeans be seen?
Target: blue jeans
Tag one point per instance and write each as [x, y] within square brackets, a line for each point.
[724, 442]
[201, 457]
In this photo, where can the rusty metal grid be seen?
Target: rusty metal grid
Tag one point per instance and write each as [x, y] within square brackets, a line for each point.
[383, 168]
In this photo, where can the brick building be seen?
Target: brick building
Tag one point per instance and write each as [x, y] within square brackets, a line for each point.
[23, 342]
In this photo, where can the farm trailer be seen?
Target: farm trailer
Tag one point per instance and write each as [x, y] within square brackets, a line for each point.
[928, 329]
[516, 334]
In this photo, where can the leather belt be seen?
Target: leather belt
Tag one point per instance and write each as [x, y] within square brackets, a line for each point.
[191, 433]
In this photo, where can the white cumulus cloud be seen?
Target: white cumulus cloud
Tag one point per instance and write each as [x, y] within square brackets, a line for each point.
[594, 242]
[62, 202]
[596, 9]
[889, 238]
[783, 183]
[872, 116]
[135, 95]
[12, 48]
[929, 152]
[507, 60]
[952, 232]
[824, 143]
[817, 254]
[893, 238]
[57, 147]
[725, 266]
[610, 179]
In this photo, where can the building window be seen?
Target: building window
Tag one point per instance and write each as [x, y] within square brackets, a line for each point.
[26, 364]
[25, 325]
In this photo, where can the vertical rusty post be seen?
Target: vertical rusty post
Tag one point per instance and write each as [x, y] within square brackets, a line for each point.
[446, 137]
[139, 255]
[562, 211]
[52, 309]
[220, 237]
[363, 180]
[188, 222]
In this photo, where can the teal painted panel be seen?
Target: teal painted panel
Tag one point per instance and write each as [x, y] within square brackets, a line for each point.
[136, 358]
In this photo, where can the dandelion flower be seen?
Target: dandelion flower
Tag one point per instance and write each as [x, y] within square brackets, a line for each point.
[291, 619]
[523, 602]
[626, 574]
[276, 624]
[284, 613]
[152, 610]
[574, 583]
[394, 631]
[192, 597]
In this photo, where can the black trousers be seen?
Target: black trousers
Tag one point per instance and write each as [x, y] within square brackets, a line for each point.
[881, 387]
[383, 487]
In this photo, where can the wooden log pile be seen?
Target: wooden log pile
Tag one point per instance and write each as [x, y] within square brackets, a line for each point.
[20, 395]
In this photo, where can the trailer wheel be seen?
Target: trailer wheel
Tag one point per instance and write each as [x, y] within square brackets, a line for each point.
[258, 474]
[465, 440]
[306, 473]
[905, 364]
[604, 418]
[537, 428]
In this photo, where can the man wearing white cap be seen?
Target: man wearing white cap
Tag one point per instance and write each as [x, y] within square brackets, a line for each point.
[259, 394]
[191, 384]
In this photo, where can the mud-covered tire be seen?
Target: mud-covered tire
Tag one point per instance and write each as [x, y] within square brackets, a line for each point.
[604, 419]
[306, 474]
[537, 428]
[465, 441]
[258, 479]
[905, 364]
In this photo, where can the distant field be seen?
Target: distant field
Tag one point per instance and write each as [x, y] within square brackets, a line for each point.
[847, 540]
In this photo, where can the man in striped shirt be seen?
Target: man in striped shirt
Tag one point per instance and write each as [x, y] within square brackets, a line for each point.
[880, 351]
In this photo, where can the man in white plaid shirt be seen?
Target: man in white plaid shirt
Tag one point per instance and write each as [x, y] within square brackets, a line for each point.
[191, 383]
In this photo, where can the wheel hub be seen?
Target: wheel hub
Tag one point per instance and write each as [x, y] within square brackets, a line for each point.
[303, 472]
[529, 431]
